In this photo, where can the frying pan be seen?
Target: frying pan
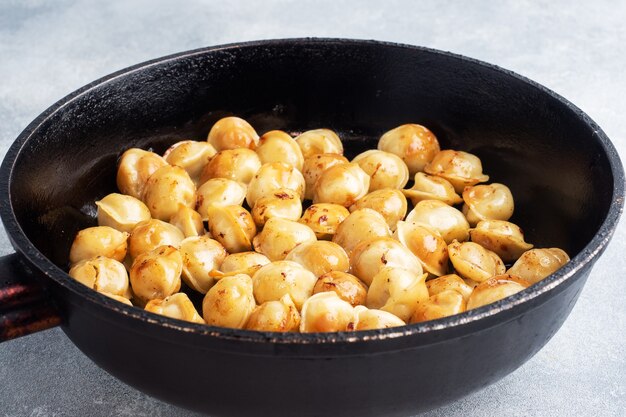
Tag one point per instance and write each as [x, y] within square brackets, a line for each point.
[565, 174]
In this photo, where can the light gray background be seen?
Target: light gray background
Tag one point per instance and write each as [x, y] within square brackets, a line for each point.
[50, 48]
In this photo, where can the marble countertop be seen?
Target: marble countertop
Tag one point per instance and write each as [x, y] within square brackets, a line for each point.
[49, 49]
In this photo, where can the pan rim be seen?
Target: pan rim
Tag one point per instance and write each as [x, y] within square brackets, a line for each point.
[586, 257]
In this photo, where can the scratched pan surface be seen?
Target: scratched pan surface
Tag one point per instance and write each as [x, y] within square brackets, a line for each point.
[565, 175]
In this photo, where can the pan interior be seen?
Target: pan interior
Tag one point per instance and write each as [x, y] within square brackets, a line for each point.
[527, 139]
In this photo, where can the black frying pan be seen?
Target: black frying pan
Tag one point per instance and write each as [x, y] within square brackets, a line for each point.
[565, 174]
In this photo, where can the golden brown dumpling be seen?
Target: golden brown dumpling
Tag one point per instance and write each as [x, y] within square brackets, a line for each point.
[150, 234]
[320, 257]
[359, 226]
[460, 168]
[278, 146]
[324, 219]
[190, 155]
[487, 202]
[201, 256]
[317, 141]
[275, 316]
[372, 255]
[232, 226]
[280, 236]
[99, 241]
[391, 204]
[472, 261]
[536, 264]
[414, 143]
[315, 165]
[273, 176]
[443, 304]
[438, 216]
[430, 187]
[230, 302]
[282, 203]
[177, 306]
[341, 184]
[397, 291]
[134, 169]
[386, 170]
[326, 312]
[348, 287]
[426, 244]
[107, 276]
[371, 319]
[166, 190]
[274, 280]
[232, 133]
[234, 164]
[504, 238]
[156, 274]
[495, 289]
[121, 212]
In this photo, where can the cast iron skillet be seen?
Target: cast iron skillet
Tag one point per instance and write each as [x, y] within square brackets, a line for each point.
[565, 174]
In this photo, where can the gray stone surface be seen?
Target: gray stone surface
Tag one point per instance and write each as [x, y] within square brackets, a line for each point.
[50, 48]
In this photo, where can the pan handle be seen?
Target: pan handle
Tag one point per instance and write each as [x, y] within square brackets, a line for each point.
[25, 307]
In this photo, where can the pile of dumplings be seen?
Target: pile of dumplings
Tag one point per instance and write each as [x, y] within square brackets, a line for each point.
[286, 234]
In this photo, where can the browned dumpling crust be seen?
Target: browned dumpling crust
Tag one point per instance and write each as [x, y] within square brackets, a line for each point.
[234, 164]
[190, 155]
[413, 143]
[99, 241]
[232, 133]
[460, 168]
